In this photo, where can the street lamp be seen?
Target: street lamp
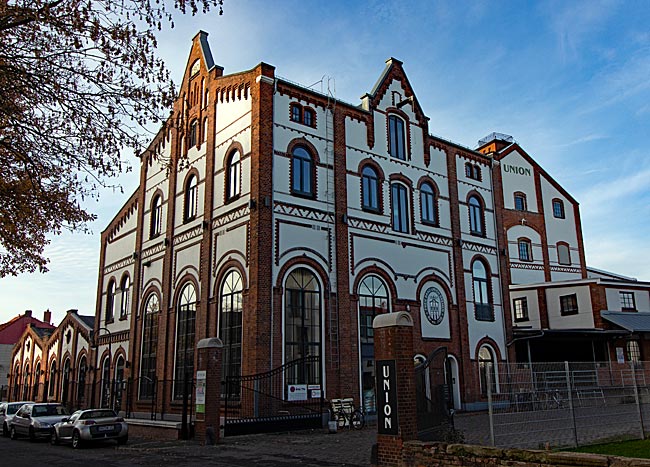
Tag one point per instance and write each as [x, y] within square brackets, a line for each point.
[101, 369]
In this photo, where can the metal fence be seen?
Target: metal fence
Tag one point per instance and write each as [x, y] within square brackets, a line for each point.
[542, 405]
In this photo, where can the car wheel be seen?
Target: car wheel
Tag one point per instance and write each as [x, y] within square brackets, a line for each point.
[5, 430]
[76, 440]
[122, 441]
[54, 439]
[12, 433]
[32, 435]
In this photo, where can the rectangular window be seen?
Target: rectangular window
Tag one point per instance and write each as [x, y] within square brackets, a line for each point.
[627, 301]
[520, 306]
[569, 305]
[400, 208]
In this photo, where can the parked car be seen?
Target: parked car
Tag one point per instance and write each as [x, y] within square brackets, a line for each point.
[91, 425]
[36, 420]
[7, 412]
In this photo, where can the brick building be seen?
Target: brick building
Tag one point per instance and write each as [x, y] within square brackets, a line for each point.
[282, 220]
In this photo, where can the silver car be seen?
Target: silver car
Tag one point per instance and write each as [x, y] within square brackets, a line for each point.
[91, 425]
[7, 412]
[36, 420]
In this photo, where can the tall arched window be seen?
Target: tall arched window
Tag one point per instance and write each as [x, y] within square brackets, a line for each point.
[428, 206]
[194, 134]
[81, 381]
[191, 197]
[149, 343]
[16, 382]
[230, 327]
[399, 206]
[525, 249]
[52, 385]
[233, 169]
[65, 382]
[302, 326]
[486, 364]
[396, 137]
[110, 302]
[373, 300]
[475, 216]
[205, 124]
[26, 383]
[106, 383]
[184, 365]
[125, 291]
[36, 381]
[369, 189]
[118, 384]
[302, 172]
[483, 310]
[156, 217]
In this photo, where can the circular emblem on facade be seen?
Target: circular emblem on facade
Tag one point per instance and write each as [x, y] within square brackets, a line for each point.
[434, 305]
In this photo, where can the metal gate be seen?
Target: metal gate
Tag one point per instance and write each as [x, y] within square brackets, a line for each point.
[277, 400]
[433, 397]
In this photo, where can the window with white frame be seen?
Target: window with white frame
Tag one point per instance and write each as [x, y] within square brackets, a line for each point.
[487, 369]
[233, 169]
[475, 216]
[563, 254]
[191, 198]
[520, 307]
[230, 328]
[369, 189]
[525, 249]
[569, 305]
[399, 207]
[483, 310]
[428, 204]
[185, 331]
[396, 137]
[149, 347]
[125, 288]
[627, 301]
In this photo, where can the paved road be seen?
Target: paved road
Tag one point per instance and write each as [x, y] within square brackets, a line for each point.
[313, 448]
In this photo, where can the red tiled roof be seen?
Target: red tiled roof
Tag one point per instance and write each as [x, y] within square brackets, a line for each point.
[11, 331]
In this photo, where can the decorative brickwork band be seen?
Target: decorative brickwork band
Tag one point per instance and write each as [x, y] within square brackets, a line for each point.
[397, 422]
[208, 390]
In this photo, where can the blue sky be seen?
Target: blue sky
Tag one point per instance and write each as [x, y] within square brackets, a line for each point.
[570, 80]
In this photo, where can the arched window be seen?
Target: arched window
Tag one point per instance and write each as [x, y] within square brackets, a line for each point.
[81, 381]
[486, 364]
[118, 384]
[65, 382]
[373, 300]
[399, 207]
[149, 341]
[105, 383]
[230, 327]
[563, 254]
[296, 113]
[233, 169]
[475, 216]
[483, 310]
[191, 201]
[16, 382]
[36, 381]
[633, 351]
[26, 383]
[52, 385]
[558, 208]
[472, 171]
[396, 137]
[308, 117]
[156, 217]
[428, 206]
[369, 189]
[520, 202]
[525, 249]
[205, 126]
[302, 326]
[302, 168]
[194, 134]
[125, 290]
[184, 364]
[110, 302]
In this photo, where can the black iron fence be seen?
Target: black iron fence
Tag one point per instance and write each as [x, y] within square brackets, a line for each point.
[289, 397]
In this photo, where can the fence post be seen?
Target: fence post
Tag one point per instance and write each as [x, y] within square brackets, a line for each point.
[567, 374]
[637, 401]
[208, 388]
[490, 409]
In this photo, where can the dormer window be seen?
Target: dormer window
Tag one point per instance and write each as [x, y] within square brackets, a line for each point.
[396, 137]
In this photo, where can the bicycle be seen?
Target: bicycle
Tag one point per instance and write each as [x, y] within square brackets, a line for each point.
[346, 414]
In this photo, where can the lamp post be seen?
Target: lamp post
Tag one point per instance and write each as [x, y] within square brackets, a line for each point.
[101, 369]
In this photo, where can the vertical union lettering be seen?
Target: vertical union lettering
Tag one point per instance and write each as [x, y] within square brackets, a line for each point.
[386, 385]
[388, 423]
[388, 410]
[386, 371]
[386, 397]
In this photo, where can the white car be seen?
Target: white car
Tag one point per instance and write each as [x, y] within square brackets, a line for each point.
[91, 425]
[36, 420]
[7, 412]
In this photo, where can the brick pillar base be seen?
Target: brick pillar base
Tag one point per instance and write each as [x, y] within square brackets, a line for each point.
[208, 415]
[396, 405]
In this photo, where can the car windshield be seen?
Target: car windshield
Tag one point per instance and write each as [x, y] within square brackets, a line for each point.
[13, 408]
[98, 414]
[48, 410]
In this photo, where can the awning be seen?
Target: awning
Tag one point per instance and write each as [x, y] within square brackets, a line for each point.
[633, 321]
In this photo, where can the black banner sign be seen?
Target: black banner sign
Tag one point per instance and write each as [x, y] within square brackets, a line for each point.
[386, 397]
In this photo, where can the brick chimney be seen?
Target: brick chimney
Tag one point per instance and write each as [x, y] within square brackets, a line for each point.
[28, 313]
[47, 316]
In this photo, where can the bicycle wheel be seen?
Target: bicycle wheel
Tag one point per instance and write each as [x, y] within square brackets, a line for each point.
[341, 419]
[358, 420]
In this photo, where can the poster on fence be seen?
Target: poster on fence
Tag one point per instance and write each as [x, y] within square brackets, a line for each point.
[200, 391]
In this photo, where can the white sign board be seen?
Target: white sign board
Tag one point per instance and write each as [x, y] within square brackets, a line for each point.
[620, 355]
[297, 392]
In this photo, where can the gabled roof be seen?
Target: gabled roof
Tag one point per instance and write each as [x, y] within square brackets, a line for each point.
[11, 331]
[88, 320]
